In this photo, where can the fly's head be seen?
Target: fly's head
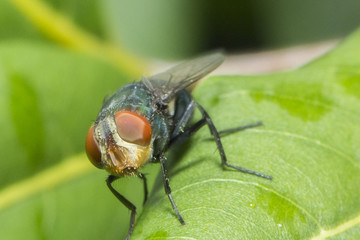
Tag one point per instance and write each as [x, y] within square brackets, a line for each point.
[120, 143]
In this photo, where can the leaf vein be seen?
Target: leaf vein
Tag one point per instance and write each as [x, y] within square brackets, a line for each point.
[173, 237]
[315, 141]
[338, 229]
[256, 185]
[229, 214]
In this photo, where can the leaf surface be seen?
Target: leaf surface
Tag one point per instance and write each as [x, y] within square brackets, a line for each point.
[309, 144]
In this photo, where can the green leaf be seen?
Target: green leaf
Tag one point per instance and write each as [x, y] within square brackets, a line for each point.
[87, 14]
[309, 144]
[14, 25]
[49, 97]
[62, 30]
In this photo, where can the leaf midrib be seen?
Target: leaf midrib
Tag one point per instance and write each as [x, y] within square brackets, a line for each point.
[338, 229]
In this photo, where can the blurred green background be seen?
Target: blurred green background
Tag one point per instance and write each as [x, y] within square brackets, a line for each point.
[176, 29]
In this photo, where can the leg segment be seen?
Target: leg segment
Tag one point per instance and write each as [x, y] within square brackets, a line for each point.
[216, 136]
[168, 189]
[180, 133]
[187, 133]
[183, 121]
[196, 126]
[142, 176]
[232, 130]
[124, 201]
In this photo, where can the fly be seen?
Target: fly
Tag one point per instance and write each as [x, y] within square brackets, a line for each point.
[142, 120]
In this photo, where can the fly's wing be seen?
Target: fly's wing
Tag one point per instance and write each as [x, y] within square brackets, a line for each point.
[166, 84]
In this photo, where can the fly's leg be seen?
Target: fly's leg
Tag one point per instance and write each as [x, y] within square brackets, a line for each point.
[187, 133]
[124, 201]
[185, 118]
[142, 176]
[237, 129]
[216, 136]
[180, 133]
[196, 126]
[168, 189]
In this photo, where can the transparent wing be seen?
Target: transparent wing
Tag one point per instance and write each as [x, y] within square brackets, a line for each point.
[166, 84]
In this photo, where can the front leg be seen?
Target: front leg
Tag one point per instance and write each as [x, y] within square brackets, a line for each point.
[146, 192]
[124, 201]
[168, 189]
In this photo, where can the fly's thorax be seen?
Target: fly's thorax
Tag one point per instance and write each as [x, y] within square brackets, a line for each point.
[132, 97]
[124, 141]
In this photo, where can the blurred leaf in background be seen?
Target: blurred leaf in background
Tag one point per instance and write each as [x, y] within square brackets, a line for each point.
[285, 23]
[175, 29]
[88, 15]
[14, 25]
[158, 28]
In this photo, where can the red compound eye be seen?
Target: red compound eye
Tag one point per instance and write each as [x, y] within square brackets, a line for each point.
[133, 128]
[92, 149]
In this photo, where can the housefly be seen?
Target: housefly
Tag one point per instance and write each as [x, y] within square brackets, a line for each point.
[142, 120]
